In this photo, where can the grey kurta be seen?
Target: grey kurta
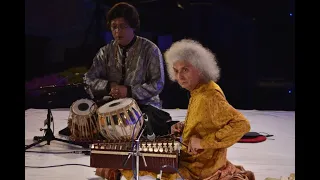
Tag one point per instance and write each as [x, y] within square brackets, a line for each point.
[144, 70]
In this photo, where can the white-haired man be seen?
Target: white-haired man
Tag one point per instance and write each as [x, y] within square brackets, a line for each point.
[212, 124]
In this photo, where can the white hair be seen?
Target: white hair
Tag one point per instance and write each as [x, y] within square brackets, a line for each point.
[196, 54]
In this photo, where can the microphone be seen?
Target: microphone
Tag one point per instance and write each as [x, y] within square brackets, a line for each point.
[67, 77]
[150, 134]
[56, 83]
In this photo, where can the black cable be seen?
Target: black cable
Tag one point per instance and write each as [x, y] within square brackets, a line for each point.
[86, 152]
[38, 145]
[164, 166]
[60, 165]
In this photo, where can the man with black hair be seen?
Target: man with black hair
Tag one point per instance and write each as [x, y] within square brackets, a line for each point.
[130, 65]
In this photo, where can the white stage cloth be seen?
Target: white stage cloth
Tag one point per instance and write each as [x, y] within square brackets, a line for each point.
[272, 158]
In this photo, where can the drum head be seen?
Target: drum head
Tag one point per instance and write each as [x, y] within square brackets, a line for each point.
[82, 107]
[115, 105]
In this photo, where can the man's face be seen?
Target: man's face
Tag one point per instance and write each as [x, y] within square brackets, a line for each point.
[121, 31]
[186, 74]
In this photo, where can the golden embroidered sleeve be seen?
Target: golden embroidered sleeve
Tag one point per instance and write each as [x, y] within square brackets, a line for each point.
[232, 124]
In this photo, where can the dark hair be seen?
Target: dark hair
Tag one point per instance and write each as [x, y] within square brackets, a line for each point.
[126, 11]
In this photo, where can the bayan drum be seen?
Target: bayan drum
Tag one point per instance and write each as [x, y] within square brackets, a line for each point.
[120, 119]
[82, 120]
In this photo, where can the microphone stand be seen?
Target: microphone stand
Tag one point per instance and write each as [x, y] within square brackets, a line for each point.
[136, 152]
[49, 136]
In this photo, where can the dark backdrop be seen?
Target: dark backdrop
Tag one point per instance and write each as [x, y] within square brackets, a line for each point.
[254, 43]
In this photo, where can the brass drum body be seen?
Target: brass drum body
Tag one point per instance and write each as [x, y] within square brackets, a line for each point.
[82, 120]
[120, 119]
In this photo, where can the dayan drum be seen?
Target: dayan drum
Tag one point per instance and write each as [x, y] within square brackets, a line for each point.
[119, 119]
[82, 120]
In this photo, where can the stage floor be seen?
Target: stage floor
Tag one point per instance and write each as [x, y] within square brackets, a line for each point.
[273, 158]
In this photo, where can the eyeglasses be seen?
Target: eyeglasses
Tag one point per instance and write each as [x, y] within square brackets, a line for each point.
[119, 27]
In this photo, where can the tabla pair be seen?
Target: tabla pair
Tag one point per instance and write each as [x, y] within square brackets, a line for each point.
[115, 120]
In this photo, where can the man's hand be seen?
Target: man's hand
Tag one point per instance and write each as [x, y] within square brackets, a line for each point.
[114, 91]
[194, 146]
[118, 91]
[113, 84]
[177, 128]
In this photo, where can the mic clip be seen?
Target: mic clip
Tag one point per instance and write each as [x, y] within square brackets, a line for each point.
[150, 134]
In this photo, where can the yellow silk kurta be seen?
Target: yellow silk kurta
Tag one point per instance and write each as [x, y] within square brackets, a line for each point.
[217, 123]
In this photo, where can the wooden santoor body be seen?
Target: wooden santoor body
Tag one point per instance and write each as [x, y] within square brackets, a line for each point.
[157, 153]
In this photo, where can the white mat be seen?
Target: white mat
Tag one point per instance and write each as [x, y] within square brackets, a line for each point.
[272, 158]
